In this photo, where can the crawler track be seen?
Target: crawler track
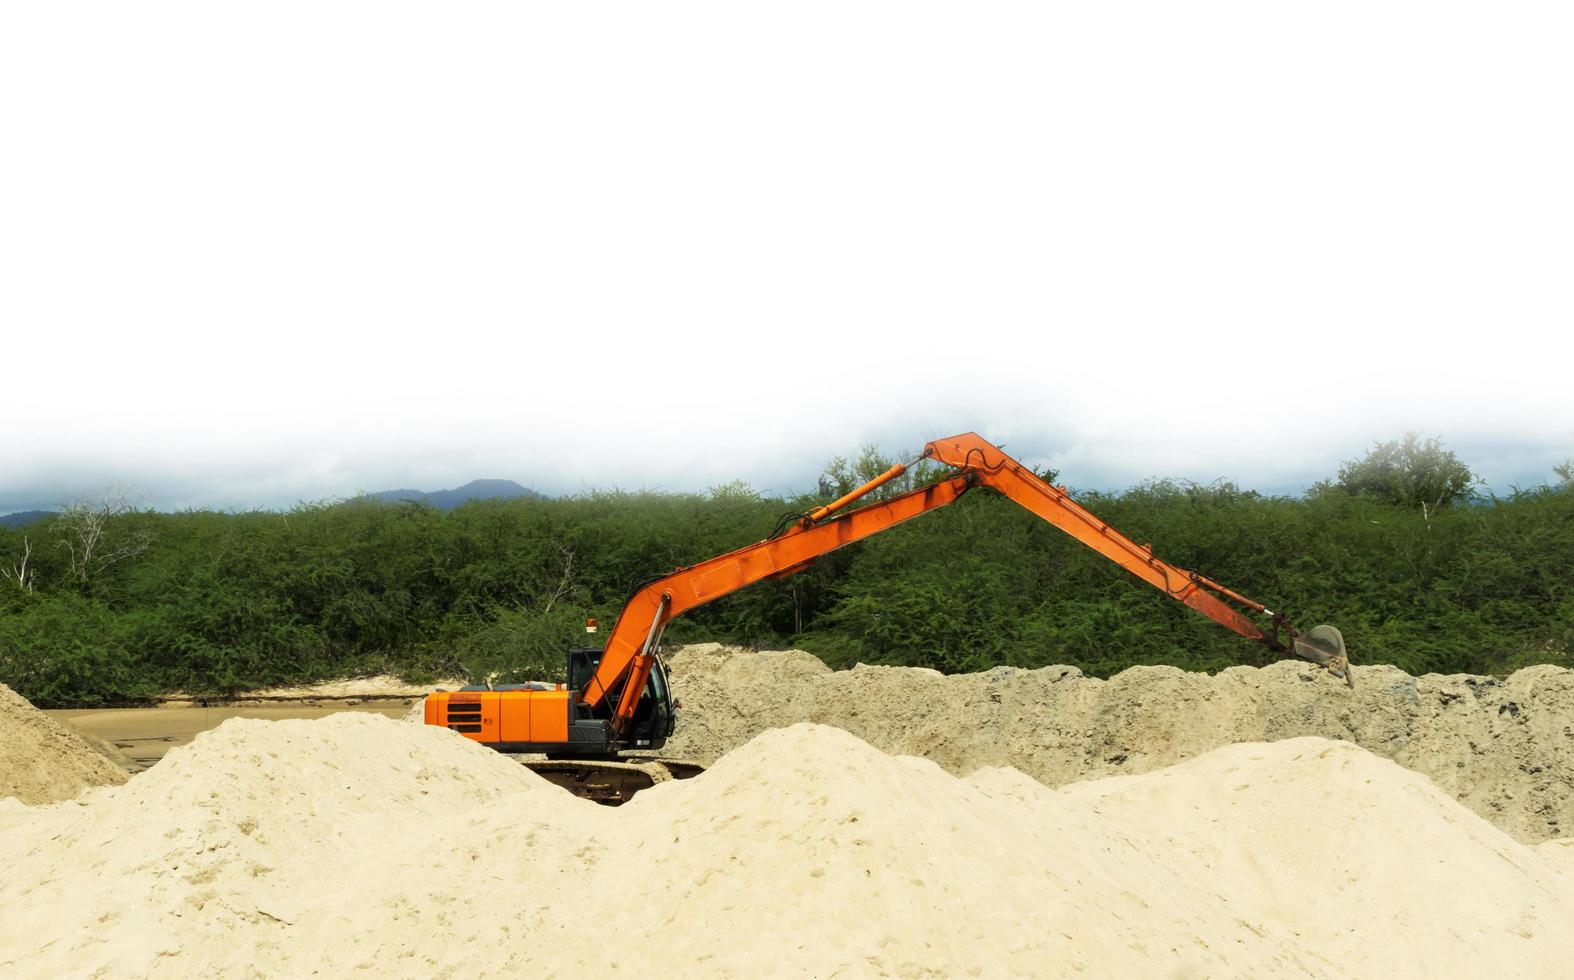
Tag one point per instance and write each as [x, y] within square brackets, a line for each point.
[607, 782]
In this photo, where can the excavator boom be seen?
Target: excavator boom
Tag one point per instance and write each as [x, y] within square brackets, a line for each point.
[630, 651]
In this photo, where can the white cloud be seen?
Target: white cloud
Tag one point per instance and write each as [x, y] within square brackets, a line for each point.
[255, 256]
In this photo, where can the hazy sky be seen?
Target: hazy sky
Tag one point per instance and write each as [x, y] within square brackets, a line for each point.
[253, 254]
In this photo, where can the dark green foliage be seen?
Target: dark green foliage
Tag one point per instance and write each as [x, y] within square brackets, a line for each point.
[1410, 473]
[224, 602]
[65, 649]
[1565, 474]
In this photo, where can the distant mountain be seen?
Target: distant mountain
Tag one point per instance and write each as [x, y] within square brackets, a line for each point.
[449, 499]
[23, 518]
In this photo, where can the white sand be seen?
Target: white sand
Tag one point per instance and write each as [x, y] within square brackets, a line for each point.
[42, 761]
[360, 843]
[1502, 747]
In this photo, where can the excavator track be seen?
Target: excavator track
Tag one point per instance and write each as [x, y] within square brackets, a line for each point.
[610, 783]
[679, 768]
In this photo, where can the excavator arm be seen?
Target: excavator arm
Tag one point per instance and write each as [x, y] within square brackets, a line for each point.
[630, 651]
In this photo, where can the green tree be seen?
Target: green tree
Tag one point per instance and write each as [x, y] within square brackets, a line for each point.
[1411, 473]
[841, 477]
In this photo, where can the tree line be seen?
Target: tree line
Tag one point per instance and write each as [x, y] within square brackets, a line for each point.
[110, 604]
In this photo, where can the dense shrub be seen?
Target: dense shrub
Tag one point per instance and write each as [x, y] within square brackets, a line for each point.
[222, 602]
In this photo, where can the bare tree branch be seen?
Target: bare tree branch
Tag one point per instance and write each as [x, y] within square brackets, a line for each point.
[19, 572]
[83, 526]
[563, 582]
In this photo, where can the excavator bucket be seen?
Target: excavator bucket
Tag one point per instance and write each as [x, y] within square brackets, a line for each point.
[1323, 645]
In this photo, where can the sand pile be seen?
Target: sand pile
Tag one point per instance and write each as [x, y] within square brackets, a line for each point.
[1503, 748]
[359, 843]
[41, 760]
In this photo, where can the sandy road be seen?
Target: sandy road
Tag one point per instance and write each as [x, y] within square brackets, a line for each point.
[143, 735]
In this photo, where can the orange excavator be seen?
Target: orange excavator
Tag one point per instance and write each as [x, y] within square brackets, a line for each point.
[617, 699]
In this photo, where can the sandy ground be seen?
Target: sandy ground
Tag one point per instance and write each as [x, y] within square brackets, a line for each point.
[354, 843]
[293, 838]
[1502, 747]
[143, 735]
[42, 761]
[379, 687]
[136, 738]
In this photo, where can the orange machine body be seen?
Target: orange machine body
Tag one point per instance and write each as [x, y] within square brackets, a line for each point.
[535, 718]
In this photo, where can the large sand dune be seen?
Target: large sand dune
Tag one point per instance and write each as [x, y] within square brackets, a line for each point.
[1503, 748]
[357, 843]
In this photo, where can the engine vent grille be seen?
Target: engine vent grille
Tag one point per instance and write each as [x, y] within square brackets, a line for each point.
[464, 717]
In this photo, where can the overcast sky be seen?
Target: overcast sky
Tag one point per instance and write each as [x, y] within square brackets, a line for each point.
[256, 254]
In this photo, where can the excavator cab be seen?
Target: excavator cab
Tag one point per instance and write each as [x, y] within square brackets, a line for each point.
[582, 664]
[654, 718]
